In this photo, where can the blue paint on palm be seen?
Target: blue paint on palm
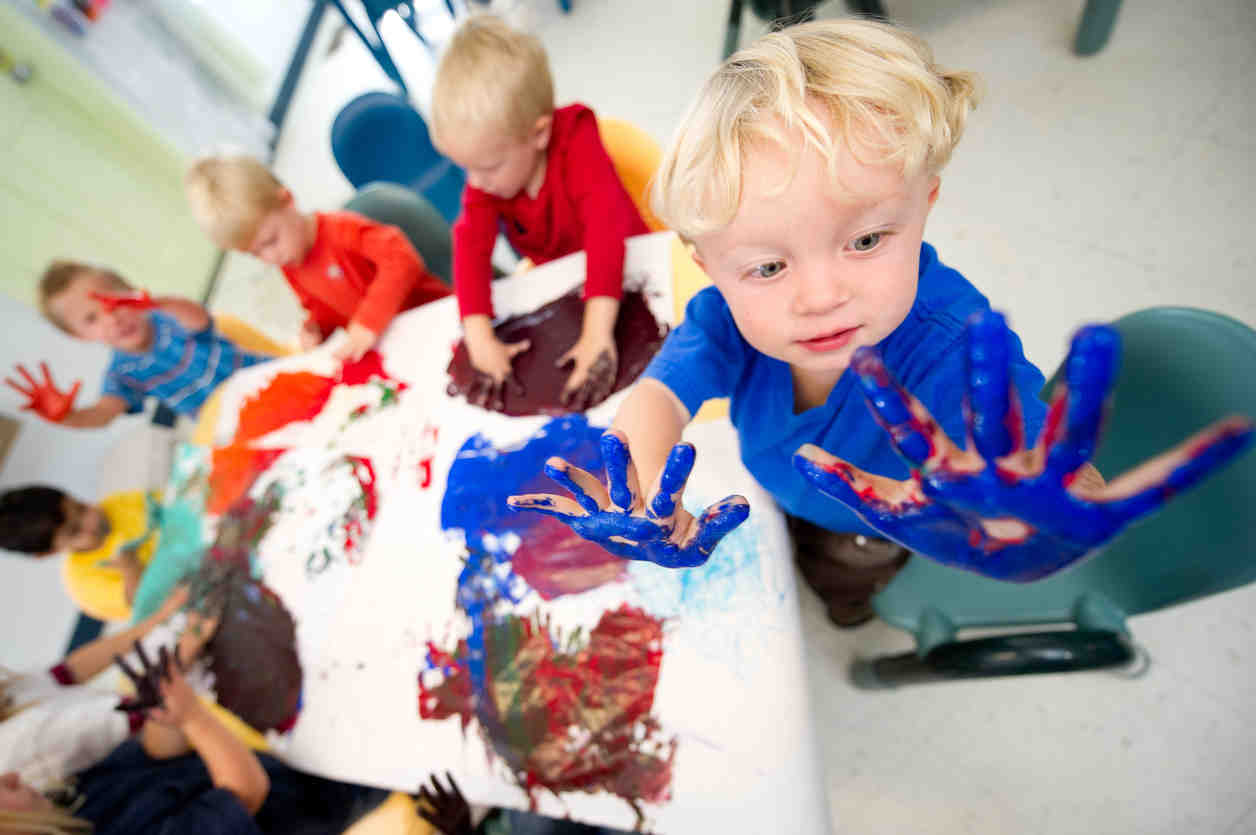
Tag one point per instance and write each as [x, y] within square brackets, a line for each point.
[1061, 528]
[647, 537]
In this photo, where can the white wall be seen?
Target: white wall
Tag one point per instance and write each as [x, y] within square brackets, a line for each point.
[36, 616]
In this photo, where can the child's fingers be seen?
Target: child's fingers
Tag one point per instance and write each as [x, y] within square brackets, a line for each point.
[74, 390]
[453, 787]
[43, 366]
[671, 482]
[516, 348]
[621, 473]
[587, 490]
[913, 432]
[516, 387]
[14, 385]
[128, 670]
[1090, 371]
[865, 493]
[718, 520]
[1152, 483]
[560, 507]
[27, 376]
[992, 419]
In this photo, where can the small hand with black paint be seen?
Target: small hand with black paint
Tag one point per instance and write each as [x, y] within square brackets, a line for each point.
[591, 380]
[444, 808]
[1000, 508]
[657, 530]
[147, 680]
[492, 360]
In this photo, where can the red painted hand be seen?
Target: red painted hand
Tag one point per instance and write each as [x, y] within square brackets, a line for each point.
[45, 399]
[139, 300]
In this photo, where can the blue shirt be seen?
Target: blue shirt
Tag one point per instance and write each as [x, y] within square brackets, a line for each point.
[707, 357]
[181, 369]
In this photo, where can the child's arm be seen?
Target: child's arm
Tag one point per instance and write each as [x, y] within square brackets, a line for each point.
[102, 413]
[91, 658]
[474, 234]
[231, 765]
[191, 316]
[1000, 508]
[398, 270]
[608, 217]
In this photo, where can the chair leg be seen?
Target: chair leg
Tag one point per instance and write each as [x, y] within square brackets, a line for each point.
[1001, 655]
[732, 35]
[1095, 27]
[873, 9]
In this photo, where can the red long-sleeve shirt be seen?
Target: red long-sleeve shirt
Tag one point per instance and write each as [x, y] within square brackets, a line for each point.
[360, 271]
[582, 205]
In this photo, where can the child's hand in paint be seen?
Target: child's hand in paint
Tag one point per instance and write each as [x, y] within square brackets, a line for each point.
[45, 399]
[358, 340]
[147, 680]
[1000, 508]
[444, 808]
[493, 360]
[138, 300]
[657, 530]
[594, 358]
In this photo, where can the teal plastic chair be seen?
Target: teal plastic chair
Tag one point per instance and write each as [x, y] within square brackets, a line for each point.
[426, 228]
[1181, 369]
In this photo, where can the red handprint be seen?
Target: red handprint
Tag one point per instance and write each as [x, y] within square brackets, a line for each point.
[138, 300]
[45, 399]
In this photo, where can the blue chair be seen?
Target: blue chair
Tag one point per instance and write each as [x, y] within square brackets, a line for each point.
[1180, 370]
[379, 137]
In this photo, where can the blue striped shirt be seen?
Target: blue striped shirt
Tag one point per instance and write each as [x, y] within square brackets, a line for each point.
[181, 369]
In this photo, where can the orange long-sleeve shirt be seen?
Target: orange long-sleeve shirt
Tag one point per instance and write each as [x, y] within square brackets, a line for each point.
[360, 271]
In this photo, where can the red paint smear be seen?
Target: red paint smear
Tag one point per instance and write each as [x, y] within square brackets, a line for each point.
[369, 367]
[1055, 419]
[425, 473]
[1014, 422]
[574, 718]
[289, 397]
[556, 561]
[233, 470]
[364, 472]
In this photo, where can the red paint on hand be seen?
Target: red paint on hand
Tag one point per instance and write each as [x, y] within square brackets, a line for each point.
[44, 399]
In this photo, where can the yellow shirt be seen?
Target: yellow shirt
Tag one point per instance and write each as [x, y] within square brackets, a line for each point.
[99, 590]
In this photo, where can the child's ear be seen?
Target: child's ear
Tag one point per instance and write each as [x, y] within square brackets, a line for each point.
[285, 197]
[933, 190]
[541, 131]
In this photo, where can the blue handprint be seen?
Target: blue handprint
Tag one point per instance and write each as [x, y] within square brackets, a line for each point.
[999, 508]
[658, 530]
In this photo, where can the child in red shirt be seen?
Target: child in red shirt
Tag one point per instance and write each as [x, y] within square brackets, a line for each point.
[539, 174]
[347, 270]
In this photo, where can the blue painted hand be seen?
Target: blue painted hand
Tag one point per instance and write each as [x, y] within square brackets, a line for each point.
[658, 529]
[1000, 508]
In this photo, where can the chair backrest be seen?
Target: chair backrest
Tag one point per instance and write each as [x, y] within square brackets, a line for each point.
[395, 205]
[1181, 369]
[379, 137]
[636, 157]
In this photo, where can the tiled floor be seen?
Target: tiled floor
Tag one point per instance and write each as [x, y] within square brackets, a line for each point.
[1085, 188]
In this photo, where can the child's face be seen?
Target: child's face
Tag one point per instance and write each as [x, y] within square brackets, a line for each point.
[124, 328]
[284, 236]
[502, 165]
[816, 270]
[84, 529]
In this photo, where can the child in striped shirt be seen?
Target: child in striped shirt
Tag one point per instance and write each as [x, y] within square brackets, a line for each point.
[163, 347]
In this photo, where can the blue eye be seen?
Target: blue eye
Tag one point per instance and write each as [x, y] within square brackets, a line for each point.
[769, 270]
[864, 243]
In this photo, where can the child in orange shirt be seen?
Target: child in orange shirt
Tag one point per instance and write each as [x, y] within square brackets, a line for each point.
[347, 270]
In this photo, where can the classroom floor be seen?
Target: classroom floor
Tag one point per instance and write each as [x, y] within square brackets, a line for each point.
[1085, 188]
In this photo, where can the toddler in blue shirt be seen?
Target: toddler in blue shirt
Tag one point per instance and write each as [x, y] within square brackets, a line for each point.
[803, 175]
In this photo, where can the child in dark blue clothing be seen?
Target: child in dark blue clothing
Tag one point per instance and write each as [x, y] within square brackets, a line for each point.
[803, 176]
